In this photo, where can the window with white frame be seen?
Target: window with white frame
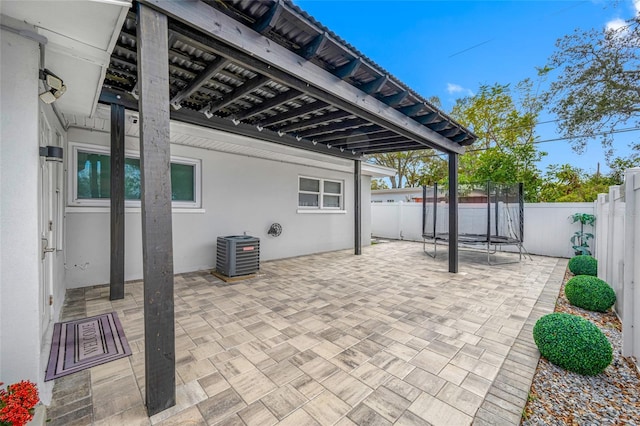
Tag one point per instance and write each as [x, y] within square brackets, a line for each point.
[91, 185]
[320, 194]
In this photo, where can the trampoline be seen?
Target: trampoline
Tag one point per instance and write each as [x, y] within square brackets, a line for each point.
[490, 216]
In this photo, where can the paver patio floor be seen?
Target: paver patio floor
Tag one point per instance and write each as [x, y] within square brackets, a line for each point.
[389, 337]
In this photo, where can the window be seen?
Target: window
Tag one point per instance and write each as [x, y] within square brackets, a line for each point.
[320, 194]
[92, 178]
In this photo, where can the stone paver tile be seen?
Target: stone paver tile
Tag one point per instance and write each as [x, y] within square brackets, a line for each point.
[410, 419]
[281, 351]
[257, 414]
[115, 397]
[371, 375]
[307, 386]
[392, 364]
[347, 388]
[319, 368]
[401, 351]
[443, 348]
[425, 381]
[282, 372]
[190, 416]
[326, 349]
[221, 406]
[252, 385]
[437, 412]
[299, 418]
[327, 408]
[187, 395]
[303, 342]
[475, 366]
[232, 420]
[460, 398]
[136, 416]
[110, 371]
[236, 339]
[283, 401]
[350, 359]
[453, 374]
[213, 384]
[235, 367]
[345, 421]
[430, 361]
[476, 384]
[254, 351]
[403, 389]
[195, 370]
[364, 415]
[387, 403]
[206, 350]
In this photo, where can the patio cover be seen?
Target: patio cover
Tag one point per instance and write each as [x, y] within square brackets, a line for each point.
[263, 69]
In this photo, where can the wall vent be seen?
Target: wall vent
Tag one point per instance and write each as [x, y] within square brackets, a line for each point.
[237, 255]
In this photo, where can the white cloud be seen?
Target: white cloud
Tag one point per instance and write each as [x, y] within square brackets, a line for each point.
[453, 88]
[636, 5]
[616, 24]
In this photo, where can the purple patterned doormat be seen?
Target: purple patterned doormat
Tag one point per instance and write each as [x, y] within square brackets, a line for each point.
[85, 343]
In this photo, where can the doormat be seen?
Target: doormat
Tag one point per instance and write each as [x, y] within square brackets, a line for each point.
[85, 343]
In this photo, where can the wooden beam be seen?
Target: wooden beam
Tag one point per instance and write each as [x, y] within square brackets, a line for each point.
[395, 100]
[374, 86]
[207, 74]
[352, 123]
[357, 136]
[412, 110]
[294, 113]
[357, 210]
[268, 19]
[228, 37]
[441, 125]
[280, 99]
[185, 115]
[431, 117]
[371, 144]
[313, 47]
[236, 94]
[157, 247]
[448, 133]
[453, 212]
[314, 121]
[348, 70]
[116, 286]
[398, 148]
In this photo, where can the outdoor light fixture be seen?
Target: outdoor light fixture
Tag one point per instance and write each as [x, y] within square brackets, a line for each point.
[315, 142]
[208, 113]
[259, 127]
[280, 133]
[52, 153]
[298, 138]
[55, 85]
[329, 146]
[235, 121]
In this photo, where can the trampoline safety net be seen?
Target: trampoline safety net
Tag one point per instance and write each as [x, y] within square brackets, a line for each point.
[489, 213]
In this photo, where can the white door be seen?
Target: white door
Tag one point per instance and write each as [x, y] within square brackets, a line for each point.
[47, 226]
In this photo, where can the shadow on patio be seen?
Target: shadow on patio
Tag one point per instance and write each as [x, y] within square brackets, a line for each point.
[386, 337]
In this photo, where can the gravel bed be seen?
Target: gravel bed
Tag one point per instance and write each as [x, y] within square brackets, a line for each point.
[560, 397]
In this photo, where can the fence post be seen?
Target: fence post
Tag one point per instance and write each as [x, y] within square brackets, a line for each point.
[631, 321]
[602, 235]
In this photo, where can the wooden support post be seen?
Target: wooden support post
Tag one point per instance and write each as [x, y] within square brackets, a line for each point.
[116, 287]
[453, 212]
[357, 210]
[157, 247]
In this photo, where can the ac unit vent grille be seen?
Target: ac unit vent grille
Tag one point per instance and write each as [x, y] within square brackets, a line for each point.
[237, 255]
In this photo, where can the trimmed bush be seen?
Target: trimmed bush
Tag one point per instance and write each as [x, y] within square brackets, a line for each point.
[583, 265]
[573, 343]
[591, 293]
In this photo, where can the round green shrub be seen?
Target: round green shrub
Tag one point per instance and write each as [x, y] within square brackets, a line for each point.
[590, 293]
[573, 343]
[583, 265]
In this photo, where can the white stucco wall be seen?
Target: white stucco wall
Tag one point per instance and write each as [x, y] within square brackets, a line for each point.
[239, 194]
[19, 237]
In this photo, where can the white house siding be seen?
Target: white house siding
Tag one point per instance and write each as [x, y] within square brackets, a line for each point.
[239, 194]
[20, 329]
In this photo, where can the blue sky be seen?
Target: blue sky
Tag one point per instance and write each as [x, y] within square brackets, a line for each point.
[449, 48]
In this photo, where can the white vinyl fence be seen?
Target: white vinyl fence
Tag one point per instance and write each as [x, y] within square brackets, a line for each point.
[547, 226]
[618, 253]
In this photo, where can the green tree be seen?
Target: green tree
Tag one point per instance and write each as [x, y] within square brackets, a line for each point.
[379, 184]
[505, 151]
[597, 88]
[403, 162]
[565, 183]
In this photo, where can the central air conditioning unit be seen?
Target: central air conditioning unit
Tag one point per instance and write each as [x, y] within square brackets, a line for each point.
[237, 255]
